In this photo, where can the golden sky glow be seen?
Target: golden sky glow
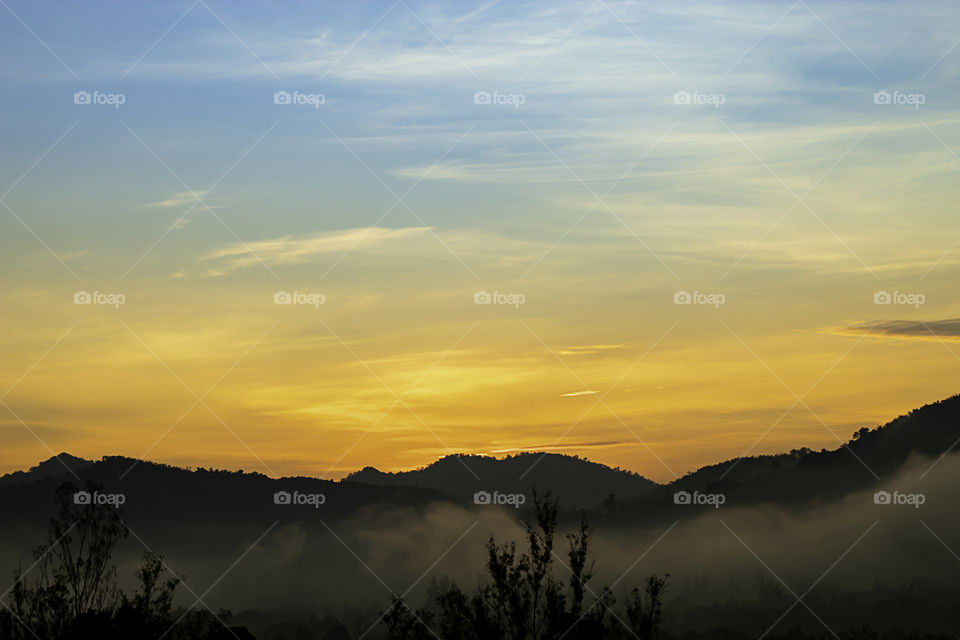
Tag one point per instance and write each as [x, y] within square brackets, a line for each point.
[400, 198]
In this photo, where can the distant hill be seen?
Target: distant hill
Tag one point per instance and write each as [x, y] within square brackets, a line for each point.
[930, 431]
[804, 477]
[203, 520]
[166, 501]
[55, 467]
[577, 482]
[163, 495]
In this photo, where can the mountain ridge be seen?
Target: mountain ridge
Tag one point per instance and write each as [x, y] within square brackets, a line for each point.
[931, 430]
[575, 481]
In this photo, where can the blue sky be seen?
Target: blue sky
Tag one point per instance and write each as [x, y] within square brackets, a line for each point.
[784, 183]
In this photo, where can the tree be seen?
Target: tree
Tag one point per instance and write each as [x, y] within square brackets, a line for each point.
[75, 596]
[645, 609]
[148, 611]
[523, 600]
[75, 579]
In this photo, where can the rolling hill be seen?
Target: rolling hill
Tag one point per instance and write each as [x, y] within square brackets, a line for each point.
[575, 481]
[799, 478]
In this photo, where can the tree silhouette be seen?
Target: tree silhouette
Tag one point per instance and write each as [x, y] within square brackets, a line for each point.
[523, 600]
[74, 595]
[75, 580]
[645, 608]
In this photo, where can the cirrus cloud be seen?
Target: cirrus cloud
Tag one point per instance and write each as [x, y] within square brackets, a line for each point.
[300, 249]
[937, 330]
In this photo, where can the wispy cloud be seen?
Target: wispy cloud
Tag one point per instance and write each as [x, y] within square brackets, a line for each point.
[589, 349]
[180, 199]
[936, 330]
[82, 253]
[574, 394]
[300, 249]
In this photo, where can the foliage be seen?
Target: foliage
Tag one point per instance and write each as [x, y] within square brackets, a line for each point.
[75, 596]
[523, 600]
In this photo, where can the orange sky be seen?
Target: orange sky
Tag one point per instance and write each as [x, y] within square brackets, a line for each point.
[585, 209]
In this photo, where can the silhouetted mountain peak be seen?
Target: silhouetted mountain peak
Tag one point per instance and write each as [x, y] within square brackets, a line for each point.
[61, 461]
[805, 476]
[59, 465]
[801, 475]
[576, 481]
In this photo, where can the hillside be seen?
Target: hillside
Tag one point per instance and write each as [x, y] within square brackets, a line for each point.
[56, 467]
[577, 482]
[799, 478]
[804, 477]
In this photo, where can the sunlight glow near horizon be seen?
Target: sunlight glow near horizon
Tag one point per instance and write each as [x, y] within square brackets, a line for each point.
[401, 196]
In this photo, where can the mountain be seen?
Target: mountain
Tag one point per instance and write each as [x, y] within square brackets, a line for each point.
[804, 477]
[164, 495]
[55, 467]
[575, 481]
[375, 533]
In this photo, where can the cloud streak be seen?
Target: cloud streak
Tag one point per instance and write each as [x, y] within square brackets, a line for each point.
[937, 330]
[181, 199]
[589, 349]
[300, 249]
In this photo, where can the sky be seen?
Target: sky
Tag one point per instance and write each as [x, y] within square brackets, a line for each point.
[305, 238]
